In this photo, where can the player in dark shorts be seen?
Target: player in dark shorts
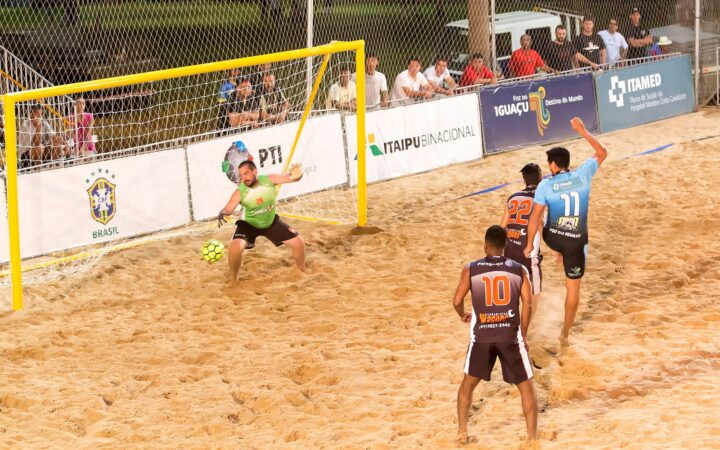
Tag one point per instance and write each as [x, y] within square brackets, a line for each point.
[257, 195]
[566, 196]
[515, 220]
[498, 327]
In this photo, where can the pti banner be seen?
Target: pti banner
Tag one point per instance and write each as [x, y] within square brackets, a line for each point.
[537, 111]
[417, 138]
[212, 165]
[644, 93]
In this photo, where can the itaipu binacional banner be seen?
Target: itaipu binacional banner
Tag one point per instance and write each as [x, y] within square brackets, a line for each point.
[537, 111]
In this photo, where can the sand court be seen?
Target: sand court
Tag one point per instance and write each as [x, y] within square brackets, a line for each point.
[151, 349]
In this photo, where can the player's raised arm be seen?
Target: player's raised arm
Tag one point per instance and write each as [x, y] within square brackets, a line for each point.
[462, 289]
[600, 151]
[294, 174]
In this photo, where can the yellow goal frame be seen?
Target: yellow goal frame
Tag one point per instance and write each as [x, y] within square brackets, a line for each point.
[10, 100]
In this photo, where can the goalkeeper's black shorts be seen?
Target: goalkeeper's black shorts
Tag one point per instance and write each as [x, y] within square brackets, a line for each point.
[278, 232]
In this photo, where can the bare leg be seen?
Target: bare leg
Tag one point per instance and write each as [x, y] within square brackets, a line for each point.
[572, 300]
[558, 258]
[235, 258]
[464, 400]
[529, 406]
[298, 249]
[535, 304]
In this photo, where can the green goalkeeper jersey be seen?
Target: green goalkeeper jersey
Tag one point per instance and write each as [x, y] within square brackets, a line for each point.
[259, 202]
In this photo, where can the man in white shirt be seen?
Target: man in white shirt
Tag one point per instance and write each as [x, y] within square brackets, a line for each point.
[376, 88]
[615, 44]
[342, 95]
[440, 79]
[410, 85]
[38, 141]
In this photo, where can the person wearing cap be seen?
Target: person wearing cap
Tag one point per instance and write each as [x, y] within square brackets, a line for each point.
[661, 47]
[615, 44]
[638, 37]
[243, 107]
[515, 220]
[589, 46]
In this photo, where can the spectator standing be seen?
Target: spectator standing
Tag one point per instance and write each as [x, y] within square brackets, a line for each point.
[342, 95]
[615, 44]
[81, 126]
[410, 84]
[226, 88]
[561, 52]
[525, 61]
[37, 140]
[638, 37]
[273, 104]
[376, 88]
[439, 78]
[477, 72]
[589, 46]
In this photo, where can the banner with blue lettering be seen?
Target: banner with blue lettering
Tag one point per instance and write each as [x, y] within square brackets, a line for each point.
[536, 111]
[644, 93]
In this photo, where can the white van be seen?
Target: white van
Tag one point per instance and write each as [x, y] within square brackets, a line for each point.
[509, 27]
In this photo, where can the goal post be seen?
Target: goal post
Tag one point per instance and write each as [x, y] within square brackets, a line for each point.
[12, 100]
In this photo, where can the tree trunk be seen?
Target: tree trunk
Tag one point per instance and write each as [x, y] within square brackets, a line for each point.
[479, 32]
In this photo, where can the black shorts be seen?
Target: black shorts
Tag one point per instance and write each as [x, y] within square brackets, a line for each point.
[277, 232]
[531, 264]
[514, 361]
[573, 251]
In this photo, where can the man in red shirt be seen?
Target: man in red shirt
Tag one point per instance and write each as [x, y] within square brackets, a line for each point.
[525, 61]
[476, 72]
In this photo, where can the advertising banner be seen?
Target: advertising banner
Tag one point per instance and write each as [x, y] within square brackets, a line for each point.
[537, 111]
[644, 93]
[212, 164]
[102, 201]
[417, 138]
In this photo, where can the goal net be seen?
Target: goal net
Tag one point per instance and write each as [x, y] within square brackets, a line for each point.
[93, 167]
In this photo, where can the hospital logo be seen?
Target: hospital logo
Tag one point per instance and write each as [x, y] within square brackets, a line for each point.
[618, 88]
[101, 194]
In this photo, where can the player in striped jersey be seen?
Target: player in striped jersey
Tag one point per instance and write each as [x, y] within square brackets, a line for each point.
[498, 327]
[515, 220]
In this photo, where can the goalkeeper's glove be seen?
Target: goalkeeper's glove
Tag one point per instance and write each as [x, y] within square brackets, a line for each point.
[221, 219]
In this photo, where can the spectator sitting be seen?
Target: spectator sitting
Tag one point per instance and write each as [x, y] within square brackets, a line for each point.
[525, 61]
[37, 140]
[376, 89]
[589, 46]
[410, 84]
[226, 88]
[439, 78]
[256, 79]
[638, 37]
[243, 107]
[81, 131]
[477, 72]
[273, 104]
[615, 44]
[561, 52]
[661, 47]
[342, 95]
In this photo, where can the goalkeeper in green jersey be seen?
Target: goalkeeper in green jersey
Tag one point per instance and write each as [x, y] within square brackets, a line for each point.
[257, 195]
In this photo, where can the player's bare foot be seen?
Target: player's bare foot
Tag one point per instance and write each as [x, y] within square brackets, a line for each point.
[564, 341]
[304, 269]
[462, 438]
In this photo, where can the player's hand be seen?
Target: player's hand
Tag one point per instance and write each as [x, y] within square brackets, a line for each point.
[221, 219]
[527, 251]
[466, 317]
[577, 124]
[296, 172]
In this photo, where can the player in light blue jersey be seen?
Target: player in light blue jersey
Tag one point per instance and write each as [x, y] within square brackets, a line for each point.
[566, 195]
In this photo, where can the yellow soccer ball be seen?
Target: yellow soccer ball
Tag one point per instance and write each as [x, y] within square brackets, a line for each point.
[212, 251]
